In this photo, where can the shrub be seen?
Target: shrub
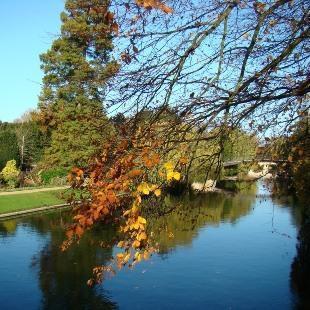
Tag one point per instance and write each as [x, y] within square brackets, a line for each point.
[51, 175]
[10, 173]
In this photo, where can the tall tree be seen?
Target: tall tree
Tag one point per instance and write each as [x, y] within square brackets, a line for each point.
[77, 68]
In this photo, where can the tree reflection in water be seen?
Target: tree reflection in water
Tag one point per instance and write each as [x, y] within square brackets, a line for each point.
[179, 219]
[62, 276]
[300, 268]
[300, 272]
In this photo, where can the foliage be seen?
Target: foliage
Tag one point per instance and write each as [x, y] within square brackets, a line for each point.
[239, 145]
[31, 140]
[10, 173]
[76, 71]
[221, 69]
[118, 181]
[8, 144]
[295, 151]
[22, 140]
[48, 175]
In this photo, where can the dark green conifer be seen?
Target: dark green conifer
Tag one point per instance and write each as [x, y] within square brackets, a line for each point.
[76, 70]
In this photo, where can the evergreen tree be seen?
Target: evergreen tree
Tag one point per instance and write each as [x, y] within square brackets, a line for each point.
[77, 68]
[8, 144]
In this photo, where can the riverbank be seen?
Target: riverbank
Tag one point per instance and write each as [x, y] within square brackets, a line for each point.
[15, 214]
[29, 190]
[22, 201]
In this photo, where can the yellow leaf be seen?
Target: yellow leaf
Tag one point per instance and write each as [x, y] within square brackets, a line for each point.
[134, 209]
[136, 244]
[153, 187]
[142, 236]
[177, 176]
[141, 220]
[170, 175]
[136, 225]
[126, 212]
[157, 192]
[120, 244]
[126, 258]
[169, 166]
[144, 188]
[138, 257]
[173, 175]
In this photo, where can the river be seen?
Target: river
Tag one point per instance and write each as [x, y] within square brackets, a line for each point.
[217, 251]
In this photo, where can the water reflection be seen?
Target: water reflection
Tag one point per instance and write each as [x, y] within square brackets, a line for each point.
[300, 268]
[235, 227]
[300, 273]
[184, 216]
[62, 276]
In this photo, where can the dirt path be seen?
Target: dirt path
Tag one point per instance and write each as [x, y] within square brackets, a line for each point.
[29, 191]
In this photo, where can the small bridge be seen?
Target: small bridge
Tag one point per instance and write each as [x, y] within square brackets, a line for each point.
[261, 162]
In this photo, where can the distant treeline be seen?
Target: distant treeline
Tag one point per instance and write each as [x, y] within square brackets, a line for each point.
[22, 141]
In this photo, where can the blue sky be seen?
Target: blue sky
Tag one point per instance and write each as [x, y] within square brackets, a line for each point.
[27, 29]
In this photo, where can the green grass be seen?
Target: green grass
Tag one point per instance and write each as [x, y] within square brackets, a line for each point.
[12, 203]
[18, 189]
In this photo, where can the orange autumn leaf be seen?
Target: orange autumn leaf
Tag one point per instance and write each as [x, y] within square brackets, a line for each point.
[69, 234]
[120, 256]
[146, 255]
[79, 230]
[111, 197]
[183, 161]
[154, 4]
[155, 159]
[115, 28]
[78, 172]
[134, 173]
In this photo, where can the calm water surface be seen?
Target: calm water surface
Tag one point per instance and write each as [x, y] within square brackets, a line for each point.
[227, 252]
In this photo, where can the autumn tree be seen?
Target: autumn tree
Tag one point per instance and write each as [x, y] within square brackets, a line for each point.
[294, 150]
[222, 67]
[77, 69]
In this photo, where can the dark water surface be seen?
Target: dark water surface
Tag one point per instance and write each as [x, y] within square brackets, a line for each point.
[224, 252]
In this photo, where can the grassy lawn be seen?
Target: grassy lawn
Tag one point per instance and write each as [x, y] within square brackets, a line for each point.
[26, 201]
